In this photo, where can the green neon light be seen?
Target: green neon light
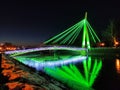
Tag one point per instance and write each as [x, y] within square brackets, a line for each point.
[88, 41]
[71, 75]
[57, 36]
[60, 35]
[89, 63]
[70, 35]
[94, 32]
[91, 33]
[75, 35]
[84, 32]
[64, 35]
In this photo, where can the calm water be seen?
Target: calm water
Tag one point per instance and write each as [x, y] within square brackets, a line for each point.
[107, 77]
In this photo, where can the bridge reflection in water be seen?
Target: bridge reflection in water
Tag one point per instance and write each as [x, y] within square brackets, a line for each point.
[117, 64]
[69, 65]
[77, 76]
[76, 71]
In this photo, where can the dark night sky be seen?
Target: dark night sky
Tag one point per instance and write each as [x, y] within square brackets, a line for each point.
[32, 22]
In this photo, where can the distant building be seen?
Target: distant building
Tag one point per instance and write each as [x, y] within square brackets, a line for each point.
[7, 47]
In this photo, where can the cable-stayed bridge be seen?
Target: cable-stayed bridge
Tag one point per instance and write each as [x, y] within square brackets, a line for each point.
[81, 33]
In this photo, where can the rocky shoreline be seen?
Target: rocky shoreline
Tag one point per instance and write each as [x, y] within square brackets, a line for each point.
[15, 76]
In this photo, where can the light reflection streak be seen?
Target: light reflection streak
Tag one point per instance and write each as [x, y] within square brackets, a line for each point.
[40, 64]
[74, 77]
[117, 64]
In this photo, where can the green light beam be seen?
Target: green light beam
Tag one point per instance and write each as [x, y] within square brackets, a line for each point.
[89, 63]
[75, 35]
[62, 36]
[70, 74]
[57, 36]
[87, 39]
[91, 34]
[94, 32]
[95, 72]
[84, 32]
[68, 37]
[85, 69]
[78, 74]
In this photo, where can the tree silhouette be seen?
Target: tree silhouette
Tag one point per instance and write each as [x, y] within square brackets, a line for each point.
[112, 33]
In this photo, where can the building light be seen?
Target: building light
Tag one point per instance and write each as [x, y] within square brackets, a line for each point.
[116, 43]
[102, 44]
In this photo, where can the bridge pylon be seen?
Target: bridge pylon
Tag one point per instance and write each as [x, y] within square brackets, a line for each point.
[85, 41]
[80, 32]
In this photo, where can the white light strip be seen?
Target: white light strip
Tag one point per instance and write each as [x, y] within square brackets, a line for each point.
[39, 65]
[45, 48]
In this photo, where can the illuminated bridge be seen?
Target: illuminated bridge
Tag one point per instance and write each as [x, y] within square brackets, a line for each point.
[81, 34]
[60, 64]
[19, 52]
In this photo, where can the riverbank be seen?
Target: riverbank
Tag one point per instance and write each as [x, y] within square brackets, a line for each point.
[15, 76]
[104, 51]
